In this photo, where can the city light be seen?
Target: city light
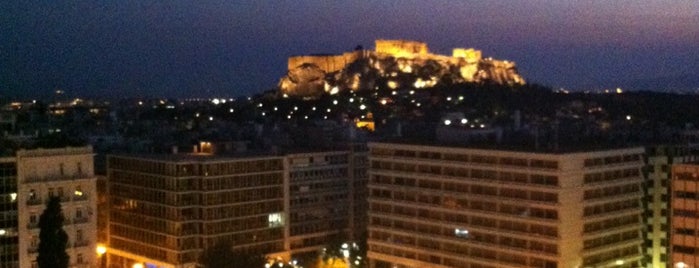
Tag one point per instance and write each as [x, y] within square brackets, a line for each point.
[101, 250]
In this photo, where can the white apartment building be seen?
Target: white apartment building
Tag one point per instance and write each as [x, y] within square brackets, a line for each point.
[447, 207]
[68, 174]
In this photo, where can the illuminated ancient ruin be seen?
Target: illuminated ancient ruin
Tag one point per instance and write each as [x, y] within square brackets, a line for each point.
[395, 64]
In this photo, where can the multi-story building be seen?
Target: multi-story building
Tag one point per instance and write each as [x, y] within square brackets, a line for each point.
[359, 167]
[659, 160]
[318, 199]
[9, 234]
[66, 173]
[437, 206]
[684, 216]
[167, 209]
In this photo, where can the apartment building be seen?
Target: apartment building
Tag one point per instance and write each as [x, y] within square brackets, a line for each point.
[9, 234]
[659, 161]
[318, 199]
[165, 210]
[358, 191]
[66, 173]
[437, 206]
[684, 221]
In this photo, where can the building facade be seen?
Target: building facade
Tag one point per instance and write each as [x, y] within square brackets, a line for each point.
[166, 210]
[436, 206]
[318, 200]
[66, 173]
[9, 233]
[660, 159]
[684, 221]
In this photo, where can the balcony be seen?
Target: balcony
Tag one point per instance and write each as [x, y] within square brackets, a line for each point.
[80, 220]
[81, 243]
[34, 201]
[81, 197]
[33, 225]
[33, 249]
[67, 177]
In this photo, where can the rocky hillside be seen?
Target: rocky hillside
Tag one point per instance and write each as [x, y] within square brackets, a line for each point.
[396, 67]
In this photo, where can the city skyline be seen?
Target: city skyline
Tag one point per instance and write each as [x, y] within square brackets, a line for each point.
[180, 49]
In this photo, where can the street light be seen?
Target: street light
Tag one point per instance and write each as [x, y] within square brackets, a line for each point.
[101, 250]
[346, 253]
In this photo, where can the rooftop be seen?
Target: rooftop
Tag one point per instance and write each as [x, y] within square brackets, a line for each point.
[519, 146]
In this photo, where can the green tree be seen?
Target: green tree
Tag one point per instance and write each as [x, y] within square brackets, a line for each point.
[221, 256]
[52, 238]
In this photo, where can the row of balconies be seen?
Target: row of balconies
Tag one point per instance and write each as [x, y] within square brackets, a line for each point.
[39, 201]
[76, 244]
[65, 177]
[65, 222]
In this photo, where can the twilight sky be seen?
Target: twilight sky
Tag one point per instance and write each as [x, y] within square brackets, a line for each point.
[179, 48]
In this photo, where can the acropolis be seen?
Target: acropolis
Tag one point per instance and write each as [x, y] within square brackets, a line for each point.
[405, 63]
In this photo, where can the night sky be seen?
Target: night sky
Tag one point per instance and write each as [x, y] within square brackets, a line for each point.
[177, 48]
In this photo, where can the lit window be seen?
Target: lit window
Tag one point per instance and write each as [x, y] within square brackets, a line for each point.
[78, 191]
[463, 233]
[275, 220]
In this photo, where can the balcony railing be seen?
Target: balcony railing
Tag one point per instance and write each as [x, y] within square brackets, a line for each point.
[67, 177]
[82, 197]
[81, 243]
[80, 220]
[34, 201]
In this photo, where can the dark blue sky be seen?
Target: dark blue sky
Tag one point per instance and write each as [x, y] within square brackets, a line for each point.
[182, 48]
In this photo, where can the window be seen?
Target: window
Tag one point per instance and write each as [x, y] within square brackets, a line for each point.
[60, 191]
[275, 220]
[78, 191]
[61, 169]
[51, 193]
[79, 235]
[32, 194]
[80, 258]
[80, 168]
[462, 233]
[32, 219]
[79, 213]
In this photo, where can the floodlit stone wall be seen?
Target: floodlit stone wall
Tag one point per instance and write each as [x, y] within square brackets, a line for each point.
[401, 48]
[311, 75]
